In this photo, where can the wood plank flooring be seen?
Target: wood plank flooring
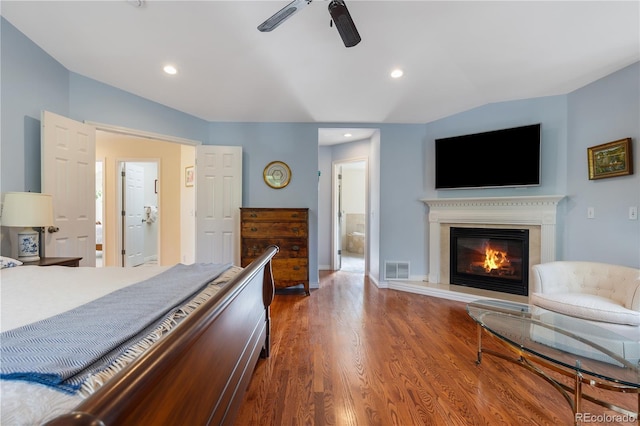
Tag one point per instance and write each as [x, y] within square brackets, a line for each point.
[353, 354]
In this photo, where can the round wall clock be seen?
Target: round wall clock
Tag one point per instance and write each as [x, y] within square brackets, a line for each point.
[277, 174]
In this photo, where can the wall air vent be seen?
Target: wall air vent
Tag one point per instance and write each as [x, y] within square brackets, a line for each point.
[394, 270]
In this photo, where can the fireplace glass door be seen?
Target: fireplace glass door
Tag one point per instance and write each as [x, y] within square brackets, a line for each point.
[490, 259]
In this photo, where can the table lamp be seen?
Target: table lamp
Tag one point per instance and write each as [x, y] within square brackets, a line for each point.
[27, 210]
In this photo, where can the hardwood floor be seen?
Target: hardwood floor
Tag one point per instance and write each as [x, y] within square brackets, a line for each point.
[353, 354]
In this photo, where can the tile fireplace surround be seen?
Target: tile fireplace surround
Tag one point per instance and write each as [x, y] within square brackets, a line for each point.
[536, 213]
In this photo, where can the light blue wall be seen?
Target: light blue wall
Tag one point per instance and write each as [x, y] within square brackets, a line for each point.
[401, 158]
[551, 112]
[294, 143]
[401, 214]
[31, 81]
[93, 101]
[604, 111]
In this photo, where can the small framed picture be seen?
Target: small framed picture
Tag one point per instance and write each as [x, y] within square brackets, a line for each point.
[189, 176]
[610, 159]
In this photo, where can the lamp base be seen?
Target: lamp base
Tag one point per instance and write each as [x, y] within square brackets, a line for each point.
[28, 245]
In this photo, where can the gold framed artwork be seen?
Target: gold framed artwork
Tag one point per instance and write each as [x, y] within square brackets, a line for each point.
[610, 159]
[189, 175]
[277, 174]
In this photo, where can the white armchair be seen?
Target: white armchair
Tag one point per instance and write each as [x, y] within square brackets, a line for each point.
[604, 293]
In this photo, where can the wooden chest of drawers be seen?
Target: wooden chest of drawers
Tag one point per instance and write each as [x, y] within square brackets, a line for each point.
[289, 230]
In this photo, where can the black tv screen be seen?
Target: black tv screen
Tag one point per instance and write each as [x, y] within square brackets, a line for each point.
[507, 157]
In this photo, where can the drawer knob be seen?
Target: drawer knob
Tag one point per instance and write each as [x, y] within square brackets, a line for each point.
[254, 229]
[296, 268]
[294, 215]
[295, 229]
[295, 248]
[253, 215]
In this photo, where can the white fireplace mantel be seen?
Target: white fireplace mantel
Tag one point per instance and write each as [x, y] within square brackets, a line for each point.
[535, 210]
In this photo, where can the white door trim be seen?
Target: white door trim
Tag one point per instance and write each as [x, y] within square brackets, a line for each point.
[142, 134]
[335, 228]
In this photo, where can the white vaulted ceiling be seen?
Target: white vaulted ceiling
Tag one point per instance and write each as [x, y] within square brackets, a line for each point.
[456, 55]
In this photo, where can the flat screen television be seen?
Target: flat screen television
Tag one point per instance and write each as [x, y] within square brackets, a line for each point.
[499, 158]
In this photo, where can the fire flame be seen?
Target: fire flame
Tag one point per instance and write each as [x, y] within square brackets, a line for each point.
[494, 259]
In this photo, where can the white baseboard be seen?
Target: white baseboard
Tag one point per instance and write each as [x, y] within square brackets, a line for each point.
[424, 289]
[377, 283]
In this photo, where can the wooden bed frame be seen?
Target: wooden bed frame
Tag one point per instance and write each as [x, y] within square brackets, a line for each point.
[198, 373]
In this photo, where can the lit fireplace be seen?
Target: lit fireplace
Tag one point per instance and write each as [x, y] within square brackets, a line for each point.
[490, 259]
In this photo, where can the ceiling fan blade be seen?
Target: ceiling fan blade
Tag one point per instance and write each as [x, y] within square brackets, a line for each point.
[345, 25]
[282, 15]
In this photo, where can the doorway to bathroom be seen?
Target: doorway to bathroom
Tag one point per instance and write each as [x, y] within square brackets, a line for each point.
[350, 191]
[138, 202]
[135, 211]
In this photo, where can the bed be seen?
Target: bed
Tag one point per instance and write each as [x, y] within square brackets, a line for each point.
[196, 373]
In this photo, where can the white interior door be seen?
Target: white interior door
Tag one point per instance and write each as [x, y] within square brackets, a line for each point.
[68, 174]
[133, 202]
[218, 202]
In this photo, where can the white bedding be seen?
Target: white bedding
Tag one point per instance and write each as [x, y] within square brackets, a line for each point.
[32, 293]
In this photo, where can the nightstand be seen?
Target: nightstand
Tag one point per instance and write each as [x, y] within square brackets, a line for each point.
[56, 261]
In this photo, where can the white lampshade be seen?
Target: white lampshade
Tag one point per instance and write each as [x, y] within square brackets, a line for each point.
[27, 210]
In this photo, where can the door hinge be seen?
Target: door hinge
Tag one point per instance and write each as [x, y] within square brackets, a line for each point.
[339, 252]
[123, 173]
[123, 252]
[123, 213]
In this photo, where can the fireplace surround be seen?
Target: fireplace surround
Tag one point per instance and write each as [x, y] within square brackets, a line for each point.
[536, 214]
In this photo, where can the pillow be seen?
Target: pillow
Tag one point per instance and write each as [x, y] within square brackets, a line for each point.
[8, 262]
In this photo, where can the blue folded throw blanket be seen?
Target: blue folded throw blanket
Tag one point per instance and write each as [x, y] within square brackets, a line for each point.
[63, 350]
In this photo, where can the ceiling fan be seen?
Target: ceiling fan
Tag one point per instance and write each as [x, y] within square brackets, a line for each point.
[339, 16]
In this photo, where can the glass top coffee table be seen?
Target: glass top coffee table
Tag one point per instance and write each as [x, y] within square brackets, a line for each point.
[543, 340]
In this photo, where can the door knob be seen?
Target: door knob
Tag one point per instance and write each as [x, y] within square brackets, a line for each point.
[53, 229]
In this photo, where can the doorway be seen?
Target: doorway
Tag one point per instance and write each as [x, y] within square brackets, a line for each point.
[350, 192]
[139, 199]
[173, 199]
[138, 203]
[357, 147]
[99, 213]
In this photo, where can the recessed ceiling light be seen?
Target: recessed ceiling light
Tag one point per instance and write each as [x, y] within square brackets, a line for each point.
[397, 73]
[170, 69]
[347, 135]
